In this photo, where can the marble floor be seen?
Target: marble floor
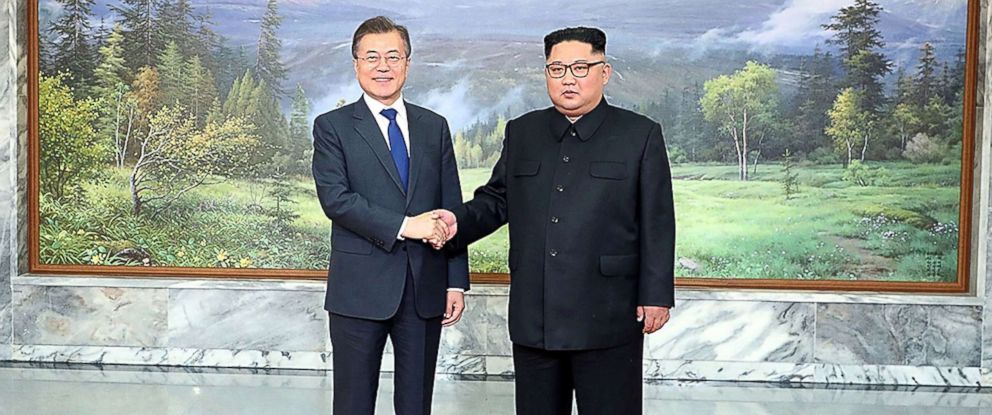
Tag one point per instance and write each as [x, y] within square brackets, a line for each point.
[84, 390]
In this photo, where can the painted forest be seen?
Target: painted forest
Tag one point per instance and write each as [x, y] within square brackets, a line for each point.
[144, 119]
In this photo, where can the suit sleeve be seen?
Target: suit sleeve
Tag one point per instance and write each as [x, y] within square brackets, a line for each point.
[656, 286]
[451, 198]
[343, 206]
[486, 212]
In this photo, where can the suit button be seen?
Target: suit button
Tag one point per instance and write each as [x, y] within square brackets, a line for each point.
[560, 188]
[565, 159]
[573, 133]
[403, 248]
[554, 252]
[554, 219]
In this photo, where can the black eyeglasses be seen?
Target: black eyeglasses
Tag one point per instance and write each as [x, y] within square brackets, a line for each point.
[579, 69]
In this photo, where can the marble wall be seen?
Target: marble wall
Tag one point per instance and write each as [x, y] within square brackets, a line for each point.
[8, 168]
[713, 335]
[798, 338]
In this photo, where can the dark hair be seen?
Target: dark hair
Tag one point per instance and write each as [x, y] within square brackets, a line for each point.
[376, 25]
[590, 35]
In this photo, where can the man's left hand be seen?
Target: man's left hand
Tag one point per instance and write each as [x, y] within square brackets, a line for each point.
[654, 318]
[454, 308]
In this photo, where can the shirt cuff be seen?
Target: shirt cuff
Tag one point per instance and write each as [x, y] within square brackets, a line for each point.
[399, 235]
[456, 290]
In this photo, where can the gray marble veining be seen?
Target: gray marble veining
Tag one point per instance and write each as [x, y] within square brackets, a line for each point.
[987, 310]
[868, 334]
[729, 371]
[20, 59]
[7, 262]
[782, 296]
[172, 357]
[91, 354]
[899, 375]
[498, 342]
[498, 292]
[8, 171]
[89, 316]
[982, 149]
[468, 335]
[461, 364]
[227, 377]
[249, 358]
[455, 364]
[735, 331]
[447, 363]
[6, 322]
[982, 75]
[254, 320]
[8, 70]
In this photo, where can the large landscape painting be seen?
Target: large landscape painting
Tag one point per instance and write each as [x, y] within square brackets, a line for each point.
[809, 139]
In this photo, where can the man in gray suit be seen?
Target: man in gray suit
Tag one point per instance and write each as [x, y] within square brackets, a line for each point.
[381, 166]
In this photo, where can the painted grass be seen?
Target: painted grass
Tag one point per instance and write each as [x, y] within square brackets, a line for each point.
[831, 229]
[904, 227]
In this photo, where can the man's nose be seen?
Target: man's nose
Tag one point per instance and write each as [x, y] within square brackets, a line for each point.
[381, 65]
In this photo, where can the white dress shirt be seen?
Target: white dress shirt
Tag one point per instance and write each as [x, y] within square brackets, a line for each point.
[376, 107]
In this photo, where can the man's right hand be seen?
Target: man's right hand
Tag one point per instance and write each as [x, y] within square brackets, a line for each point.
[426, 226]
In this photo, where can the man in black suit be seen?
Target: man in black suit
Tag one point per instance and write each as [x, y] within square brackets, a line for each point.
[586, 189]
[377, 164]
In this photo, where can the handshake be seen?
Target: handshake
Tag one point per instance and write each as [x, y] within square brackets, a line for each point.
[435, 227]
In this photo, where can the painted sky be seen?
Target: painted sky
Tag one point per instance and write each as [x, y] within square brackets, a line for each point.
[454, 37]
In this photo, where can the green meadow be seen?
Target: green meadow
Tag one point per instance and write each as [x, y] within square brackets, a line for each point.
[902, 226]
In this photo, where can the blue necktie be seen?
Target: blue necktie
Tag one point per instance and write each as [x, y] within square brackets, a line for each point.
[397, 146]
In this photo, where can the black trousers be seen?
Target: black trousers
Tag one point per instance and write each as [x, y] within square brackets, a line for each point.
[605, 381]
[357, 355]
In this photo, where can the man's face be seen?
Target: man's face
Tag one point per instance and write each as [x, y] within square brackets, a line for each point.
[383, 79]
[571, 95]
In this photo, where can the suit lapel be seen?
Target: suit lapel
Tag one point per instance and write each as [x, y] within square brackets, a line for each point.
[418, 141]
[366, 127]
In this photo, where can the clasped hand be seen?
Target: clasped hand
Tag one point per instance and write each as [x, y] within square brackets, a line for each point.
[435, 227]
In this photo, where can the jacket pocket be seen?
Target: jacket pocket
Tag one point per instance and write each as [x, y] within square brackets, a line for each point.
[619, 265]
[611, 170]
[351, 245]
[527, 168]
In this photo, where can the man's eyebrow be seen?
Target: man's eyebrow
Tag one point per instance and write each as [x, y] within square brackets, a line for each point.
[376, 51]
[576, 61]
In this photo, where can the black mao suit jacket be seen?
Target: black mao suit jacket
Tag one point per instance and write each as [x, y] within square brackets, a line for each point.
[360, 191]
[592, 225]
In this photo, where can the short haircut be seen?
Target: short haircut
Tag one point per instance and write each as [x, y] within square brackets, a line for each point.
[377, 25]
[590, 35]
